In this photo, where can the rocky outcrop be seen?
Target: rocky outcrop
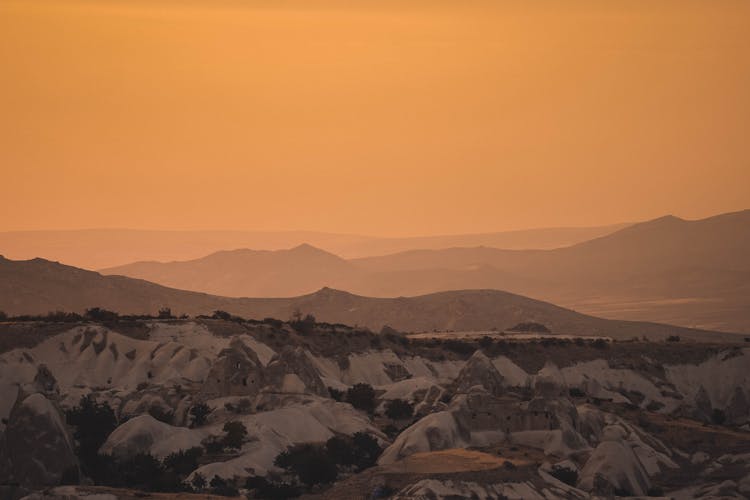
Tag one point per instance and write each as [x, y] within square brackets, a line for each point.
[292, 371]
[145, 434]
[738, 410]
[479, 371]
[614, 468]
[702, 405]
[438, 431]
[237, 371]
[36, 448]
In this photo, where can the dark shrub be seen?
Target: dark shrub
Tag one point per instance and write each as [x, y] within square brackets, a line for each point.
[485, 342]
[199, 413]
[3, 316]
[275, 323]
[362, 397]
[93, 422]
[165, 313]
[718, 417]
[219, 314]
[459, 347]
[162, 414]
[397, 409]
[567, 476]
[220, 486]
[184, 461]
[99, 314]
[673, 338]
[600, 344]
[198, 482]
[391, 431]
[266, 489]
[303, 325]
[530, 326]
[235, 434]
[336, 394]
[341, 450]
[575, 392]
[310, 463]
[366, 450]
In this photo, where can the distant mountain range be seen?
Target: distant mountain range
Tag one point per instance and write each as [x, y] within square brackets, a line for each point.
[691, 273]
[100, 248]
[39, 286]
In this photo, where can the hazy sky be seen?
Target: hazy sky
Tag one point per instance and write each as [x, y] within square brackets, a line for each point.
[375, 117]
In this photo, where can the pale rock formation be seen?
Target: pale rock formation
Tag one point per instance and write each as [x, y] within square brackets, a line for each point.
[614, 468]
[293, 371]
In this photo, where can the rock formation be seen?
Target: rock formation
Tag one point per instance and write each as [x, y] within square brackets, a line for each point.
[479, 371]
[36, 449]
[237, 371]
[293, 371]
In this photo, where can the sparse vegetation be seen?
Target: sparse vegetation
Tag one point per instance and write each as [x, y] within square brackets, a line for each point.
[530, 326]
[673, 338]
[362, 397]
[199, 413]
[311, 463]
[319, 464]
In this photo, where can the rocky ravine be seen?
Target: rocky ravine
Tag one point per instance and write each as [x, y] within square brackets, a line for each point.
[616, 430]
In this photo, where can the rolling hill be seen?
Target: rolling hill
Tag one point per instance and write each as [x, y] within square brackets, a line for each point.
[691, 273]
[38, 286]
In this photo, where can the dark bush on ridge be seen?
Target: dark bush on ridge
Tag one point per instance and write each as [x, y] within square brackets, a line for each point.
[600, 344]
[276, 323]
[165, 313]
[99, 314]
[219, 314]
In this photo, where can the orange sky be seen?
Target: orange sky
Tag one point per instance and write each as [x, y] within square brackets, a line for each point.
[375, 117]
